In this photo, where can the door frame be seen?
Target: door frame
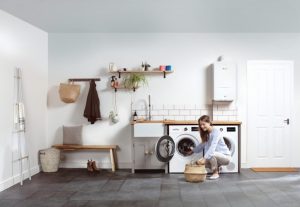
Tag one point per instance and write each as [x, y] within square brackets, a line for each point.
[292, 118]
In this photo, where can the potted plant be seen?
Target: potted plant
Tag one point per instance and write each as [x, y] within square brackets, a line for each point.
[135, 80]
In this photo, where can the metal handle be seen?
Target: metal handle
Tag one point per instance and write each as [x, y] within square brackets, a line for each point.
[146, 153]
[287, 121]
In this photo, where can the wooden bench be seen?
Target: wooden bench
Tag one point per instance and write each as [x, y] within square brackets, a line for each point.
[111, 148]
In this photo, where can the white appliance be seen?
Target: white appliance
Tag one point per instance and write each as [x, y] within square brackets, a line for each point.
[174, 147]
[231, 138]
[184, 136]
[224, 81]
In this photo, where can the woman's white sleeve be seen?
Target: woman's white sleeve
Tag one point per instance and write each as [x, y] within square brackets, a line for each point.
[215, 139]
[198, 148]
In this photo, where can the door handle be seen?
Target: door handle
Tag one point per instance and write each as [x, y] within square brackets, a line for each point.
[287, 121]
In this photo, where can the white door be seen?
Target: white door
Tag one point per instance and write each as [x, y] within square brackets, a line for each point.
[270, 92]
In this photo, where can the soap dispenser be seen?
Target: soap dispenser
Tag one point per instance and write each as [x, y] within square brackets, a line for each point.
[135, 117]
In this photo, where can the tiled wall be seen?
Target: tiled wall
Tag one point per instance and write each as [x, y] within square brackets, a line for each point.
[224, 112]
[173, 112]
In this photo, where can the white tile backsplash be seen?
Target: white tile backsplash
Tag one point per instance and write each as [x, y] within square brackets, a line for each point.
[155, 112]
[157, 106]
[224, 112]
[190, 118]
[178, 118]
[169, 118]
[164, 112]
[173, 111]
[142, 117]
[197, 106]
[189, 106]
[218, 113]
[196, 112]
[184, 112]
[205, 112]
[157, 118]
[180, 106]
[168, 106]
[141, 112]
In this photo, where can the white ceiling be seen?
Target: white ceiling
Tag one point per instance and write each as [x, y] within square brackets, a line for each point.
[77, 16]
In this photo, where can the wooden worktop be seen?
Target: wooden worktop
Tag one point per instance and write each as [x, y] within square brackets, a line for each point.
[187, 122]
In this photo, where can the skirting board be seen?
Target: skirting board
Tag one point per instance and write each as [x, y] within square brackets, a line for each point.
[16, 178]
[103, 165]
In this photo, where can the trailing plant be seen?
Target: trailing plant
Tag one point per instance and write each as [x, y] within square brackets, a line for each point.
[135, 80]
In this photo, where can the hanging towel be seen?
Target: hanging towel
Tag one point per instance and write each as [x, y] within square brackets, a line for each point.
[19, 117]
[92, 108]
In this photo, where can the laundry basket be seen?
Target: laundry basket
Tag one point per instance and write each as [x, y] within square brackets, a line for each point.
[50, 159]
[195, 173]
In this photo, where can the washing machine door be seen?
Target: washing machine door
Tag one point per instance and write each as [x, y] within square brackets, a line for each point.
[231, 167]
[184, 143]
[230, 144]
[165, 148]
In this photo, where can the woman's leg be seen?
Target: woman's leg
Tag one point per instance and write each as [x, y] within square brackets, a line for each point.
[212, 164]
[215, 162]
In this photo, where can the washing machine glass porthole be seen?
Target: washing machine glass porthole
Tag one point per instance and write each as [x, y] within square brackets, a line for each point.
[184, 145]
[230, 144]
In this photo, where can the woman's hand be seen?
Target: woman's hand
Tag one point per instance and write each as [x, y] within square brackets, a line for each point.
[201, 161]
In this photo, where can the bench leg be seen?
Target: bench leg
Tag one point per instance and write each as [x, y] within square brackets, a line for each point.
[115, 159]
[112, 159]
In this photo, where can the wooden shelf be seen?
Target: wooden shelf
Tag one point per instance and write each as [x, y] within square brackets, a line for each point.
[124, 88]
[144, 72]
[83, 79]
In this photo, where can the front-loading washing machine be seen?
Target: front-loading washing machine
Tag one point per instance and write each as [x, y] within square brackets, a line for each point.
[231, 138]
[174, 147]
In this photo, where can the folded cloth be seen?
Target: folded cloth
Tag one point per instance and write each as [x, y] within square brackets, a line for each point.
[19, 117]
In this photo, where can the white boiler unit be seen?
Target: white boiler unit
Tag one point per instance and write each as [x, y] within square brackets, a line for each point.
[224, 81]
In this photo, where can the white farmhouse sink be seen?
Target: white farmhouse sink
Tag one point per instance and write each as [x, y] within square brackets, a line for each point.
[148, 130]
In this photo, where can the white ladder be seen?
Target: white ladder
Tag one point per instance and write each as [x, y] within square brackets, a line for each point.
[19, 126]
[22, 157]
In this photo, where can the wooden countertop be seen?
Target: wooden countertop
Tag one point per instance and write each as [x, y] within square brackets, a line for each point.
[187, 122]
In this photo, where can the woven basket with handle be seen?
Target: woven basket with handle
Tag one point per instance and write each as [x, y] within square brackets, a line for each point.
[69, 92]
[195, 173]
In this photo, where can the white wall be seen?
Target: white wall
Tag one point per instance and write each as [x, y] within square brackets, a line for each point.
[24, 46]
[88, 55]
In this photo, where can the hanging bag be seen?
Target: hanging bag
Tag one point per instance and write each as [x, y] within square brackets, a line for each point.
[69, 92]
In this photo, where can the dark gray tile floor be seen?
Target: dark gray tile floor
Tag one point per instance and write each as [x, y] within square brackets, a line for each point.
[76, 187]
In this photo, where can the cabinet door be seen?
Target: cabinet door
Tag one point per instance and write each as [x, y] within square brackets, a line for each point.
[140, 159]
[152, 161]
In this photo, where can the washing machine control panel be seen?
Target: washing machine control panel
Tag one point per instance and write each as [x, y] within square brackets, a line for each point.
[195, 129]
[228, 129]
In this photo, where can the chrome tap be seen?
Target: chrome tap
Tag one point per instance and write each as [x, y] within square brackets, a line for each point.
[149, 109]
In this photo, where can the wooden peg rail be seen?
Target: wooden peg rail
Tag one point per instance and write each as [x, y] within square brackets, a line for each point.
[83, 79]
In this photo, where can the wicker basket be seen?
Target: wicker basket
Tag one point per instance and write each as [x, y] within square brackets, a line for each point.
[69, 93]
[195, 173]
[50, 159]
